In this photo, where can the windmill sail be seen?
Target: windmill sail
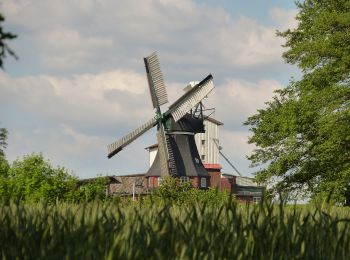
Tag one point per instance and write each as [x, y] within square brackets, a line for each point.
[191, 98]
[163, 151]
[117, 146]
[155, 81]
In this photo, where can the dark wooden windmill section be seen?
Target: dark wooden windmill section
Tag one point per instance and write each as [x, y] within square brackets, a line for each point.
[184, 153]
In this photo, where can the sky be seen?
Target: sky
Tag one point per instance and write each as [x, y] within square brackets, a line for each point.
[79, 83]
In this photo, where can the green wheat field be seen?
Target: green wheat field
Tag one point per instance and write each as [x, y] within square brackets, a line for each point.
[140, 230]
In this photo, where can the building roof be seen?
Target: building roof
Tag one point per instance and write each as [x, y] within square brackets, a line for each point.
[129, 183]
[210, 119]
[151, 147]
[212, 166]
[130, 175]
[111, 178]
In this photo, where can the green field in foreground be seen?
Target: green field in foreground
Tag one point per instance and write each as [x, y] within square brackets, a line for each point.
[110, 230]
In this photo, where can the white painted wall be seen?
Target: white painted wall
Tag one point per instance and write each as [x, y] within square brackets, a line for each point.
[152, 155]
[209, 149]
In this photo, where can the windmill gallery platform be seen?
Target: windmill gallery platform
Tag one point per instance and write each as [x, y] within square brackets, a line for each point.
[188, 144]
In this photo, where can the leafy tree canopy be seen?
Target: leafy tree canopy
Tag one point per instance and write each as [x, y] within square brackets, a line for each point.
[33, 178]
[303, 135]
[172, 191]
[92, 190]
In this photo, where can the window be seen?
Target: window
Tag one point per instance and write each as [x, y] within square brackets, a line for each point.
[203, 157]
[159, 181]
[203, 182]
[256, 200]
[203, 142]
[184, 179]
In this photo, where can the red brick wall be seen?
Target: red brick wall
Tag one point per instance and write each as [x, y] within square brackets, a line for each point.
[244, 199]
[214, 178]
[152, 182]
[223, 184]
[226, 184]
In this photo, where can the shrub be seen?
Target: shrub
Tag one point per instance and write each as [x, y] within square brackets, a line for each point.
[32, 178]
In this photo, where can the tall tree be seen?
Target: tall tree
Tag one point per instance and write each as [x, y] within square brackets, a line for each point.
[303, 135]
[4, 37]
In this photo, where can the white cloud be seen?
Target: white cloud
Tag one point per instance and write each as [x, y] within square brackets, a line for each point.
[246, 43]
[105, 99]
[236, 99]
[74, 35]
[285, 19]
[66, 48]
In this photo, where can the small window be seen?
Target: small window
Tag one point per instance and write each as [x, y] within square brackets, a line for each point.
[203, 142]
[203, 182]
[203, 157]
[159, 181]
[256, 200]
[184, 179]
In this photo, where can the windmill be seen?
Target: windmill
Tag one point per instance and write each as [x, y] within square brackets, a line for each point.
[177, 152]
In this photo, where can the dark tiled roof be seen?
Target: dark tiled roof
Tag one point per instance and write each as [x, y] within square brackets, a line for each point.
[110, 178]
[151, 146]
[126, 183]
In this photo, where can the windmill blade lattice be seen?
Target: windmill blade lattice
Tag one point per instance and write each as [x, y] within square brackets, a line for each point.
[117, 146]
[191, 98]
[155, 81]
[163, 150]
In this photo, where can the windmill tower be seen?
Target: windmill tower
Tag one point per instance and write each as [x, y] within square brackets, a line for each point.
[177, 152]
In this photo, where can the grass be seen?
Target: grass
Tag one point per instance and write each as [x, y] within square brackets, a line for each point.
[109, 230]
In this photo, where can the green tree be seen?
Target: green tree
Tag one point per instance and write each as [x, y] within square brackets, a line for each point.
[4, 37]
[92, 190]
[303, 135]
[33, 179]
[173, 191]
[4, 166]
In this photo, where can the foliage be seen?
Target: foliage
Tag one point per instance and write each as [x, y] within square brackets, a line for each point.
[302, 137]
[92, 190]
[196, 231]
[4, 37]
[34, 179]
[4, 168]
[172, 191]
